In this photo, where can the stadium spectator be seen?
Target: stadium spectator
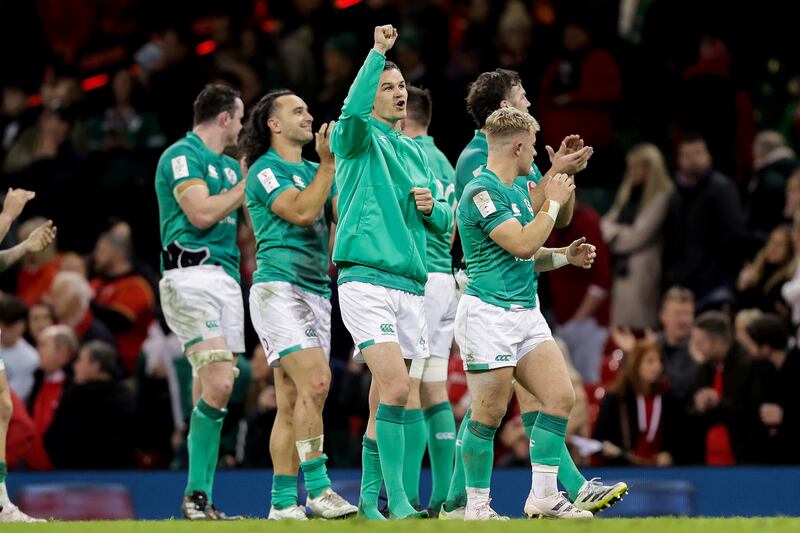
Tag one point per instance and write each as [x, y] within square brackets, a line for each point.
[73, 262]
[722, 395]
[778, 373]
[45, 151]
[93, 425]
[741, 322]
[759, 283]
[38, 269]
[14, 115]
[773, 162]
[792, 194]
[580, 297]
[677, 319]
[20, 358]
[338, 71]
[791, 289]
[70, 297]
[57, 347]
[633, 229]
[705, 226]
[40, 317]
[640, 421]
[123, 299]
[579, 89]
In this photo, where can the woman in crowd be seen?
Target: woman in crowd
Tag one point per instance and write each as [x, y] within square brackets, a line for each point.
[639, 421]
[760, 282]
[633, 230]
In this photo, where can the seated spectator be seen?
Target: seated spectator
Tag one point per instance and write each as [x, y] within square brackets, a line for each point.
[790, 291]
[40, 317]
[776, 398]
[639, 421]
[37, 269]
[773, 162]
[70, 298]
[73, 262]
[122, 299]
[93, 425]
[633, 230]
[704, 228]
[20, 358]
[57, 348]
[760, 282]
[581, 303]
[722, 394]
[677, 318]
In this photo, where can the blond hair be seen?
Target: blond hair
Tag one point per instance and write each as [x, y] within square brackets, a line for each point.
[509, 121]
[657, 180]
[63, 336]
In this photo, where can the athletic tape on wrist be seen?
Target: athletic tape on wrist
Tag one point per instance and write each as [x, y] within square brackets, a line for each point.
[552, 208]
[560, 260]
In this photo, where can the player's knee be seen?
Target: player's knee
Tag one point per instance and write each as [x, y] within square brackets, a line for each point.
[396, 392]
[316, 389]
[563, 402]
[6, 409]
[221, 389]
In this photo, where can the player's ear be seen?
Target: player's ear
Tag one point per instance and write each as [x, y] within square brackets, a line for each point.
[504, 104]
[273, 125]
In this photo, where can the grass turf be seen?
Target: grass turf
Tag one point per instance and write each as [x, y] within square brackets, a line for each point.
[648, 525]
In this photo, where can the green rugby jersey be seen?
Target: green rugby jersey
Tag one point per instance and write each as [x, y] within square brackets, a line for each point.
[285, 251]
[438, 244]
[381, 235]
[472, 160]
[495, 275]
[183, 243]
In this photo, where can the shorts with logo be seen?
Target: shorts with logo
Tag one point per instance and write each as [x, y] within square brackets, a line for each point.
[203, 302]
[288, 318]
[493, 337]
[441, 302]
[375, 314]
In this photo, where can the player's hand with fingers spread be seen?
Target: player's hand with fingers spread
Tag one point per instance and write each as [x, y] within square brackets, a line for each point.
[572, 156]
[15, 202]
[385, 36]
[41, 237]
[581, 254]
[559, 188]
[423, 199]
[322, 141]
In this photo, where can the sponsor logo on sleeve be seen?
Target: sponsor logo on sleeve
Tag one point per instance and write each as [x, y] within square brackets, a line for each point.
[212, 171]
[180, 167]
[268, 180]
[484, 203]
[298, 182]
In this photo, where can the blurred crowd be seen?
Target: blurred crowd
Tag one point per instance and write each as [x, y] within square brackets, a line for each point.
[681, 338]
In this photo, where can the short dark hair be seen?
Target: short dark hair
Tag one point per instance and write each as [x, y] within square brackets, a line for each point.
[487, 91]
[391, 65]
[693, 137]
[769, 330]
[12, 310]
[420, 105]
[255, 135]
[716, 324]
[105, 355]
[213, 100]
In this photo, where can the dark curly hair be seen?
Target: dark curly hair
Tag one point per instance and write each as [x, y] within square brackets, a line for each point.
[486, 93]
[255, 135]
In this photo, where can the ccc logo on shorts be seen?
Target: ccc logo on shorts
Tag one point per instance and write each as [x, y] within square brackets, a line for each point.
[212, 324]
[311, 333]
[503, 357]
[445, 435]
[387, 329]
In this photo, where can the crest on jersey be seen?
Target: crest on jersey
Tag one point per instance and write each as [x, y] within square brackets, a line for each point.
[212, 171]
[231, 175]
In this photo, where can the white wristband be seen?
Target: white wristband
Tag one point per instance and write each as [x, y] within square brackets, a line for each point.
[559, 259]
[552, 209]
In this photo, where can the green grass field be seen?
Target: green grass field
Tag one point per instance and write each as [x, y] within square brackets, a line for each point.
[645, 525]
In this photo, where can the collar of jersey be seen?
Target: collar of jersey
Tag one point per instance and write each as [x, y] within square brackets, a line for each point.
[385, 128]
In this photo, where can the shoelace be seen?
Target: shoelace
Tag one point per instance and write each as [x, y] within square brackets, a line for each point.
[334, 498]
[487, 506]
